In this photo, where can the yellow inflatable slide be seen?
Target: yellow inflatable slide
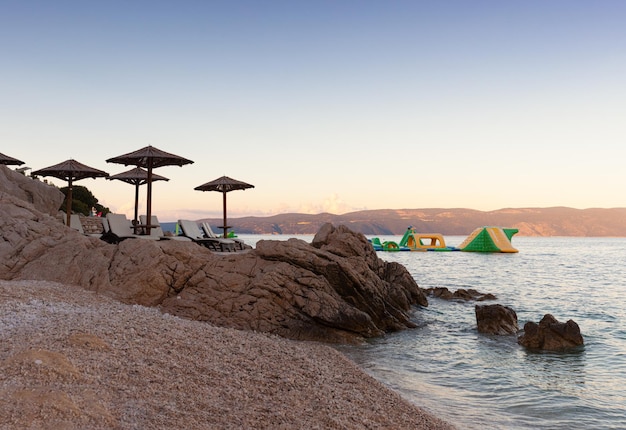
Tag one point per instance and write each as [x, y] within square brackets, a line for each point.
[489, 239]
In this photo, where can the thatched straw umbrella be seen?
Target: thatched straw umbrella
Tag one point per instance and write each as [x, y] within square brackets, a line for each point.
[224, 185]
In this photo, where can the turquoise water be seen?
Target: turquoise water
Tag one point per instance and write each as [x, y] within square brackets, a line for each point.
[478, 381]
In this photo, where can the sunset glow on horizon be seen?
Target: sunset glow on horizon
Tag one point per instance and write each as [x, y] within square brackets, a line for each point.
[325, 106]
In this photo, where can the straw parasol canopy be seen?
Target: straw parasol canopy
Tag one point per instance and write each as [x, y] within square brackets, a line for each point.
[149, 158]
[136, 177]
[6, 160]
[224, 185]
[70, 171]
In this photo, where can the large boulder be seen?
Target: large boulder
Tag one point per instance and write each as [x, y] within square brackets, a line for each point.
[335, 289]
[496, 319]
[296, 290]
[551, 334]
[45, 198]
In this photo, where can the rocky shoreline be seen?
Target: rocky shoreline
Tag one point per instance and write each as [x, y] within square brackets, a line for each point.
[334, 289]
[168, 334]
[75, 359]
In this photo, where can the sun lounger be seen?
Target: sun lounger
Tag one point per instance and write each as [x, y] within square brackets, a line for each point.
[157, 231]
[105, 225]
[75, 223]
[121, 228]
[191, 230]
[208, 232]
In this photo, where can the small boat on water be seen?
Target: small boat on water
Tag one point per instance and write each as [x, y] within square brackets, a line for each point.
[482, 239]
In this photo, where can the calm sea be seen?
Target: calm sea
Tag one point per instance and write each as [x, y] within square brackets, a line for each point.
[478, 381]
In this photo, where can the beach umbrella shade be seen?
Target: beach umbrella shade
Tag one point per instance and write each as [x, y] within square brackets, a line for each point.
[224, 185]
[137, 177]
[149, 158]
[6, 160]
[70, 171]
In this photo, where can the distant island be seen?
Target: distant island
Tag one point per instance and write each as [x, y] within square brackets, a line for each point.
[554, 221]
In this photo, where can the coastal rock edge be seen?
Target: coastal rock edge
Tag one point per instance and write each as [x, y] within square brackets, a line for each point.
[335, 289]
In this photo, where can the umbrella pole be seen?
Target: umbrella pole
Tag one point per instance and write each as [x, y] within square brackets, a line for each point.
[136, 219]
[224, 208]
[149, 198]
[68, 203]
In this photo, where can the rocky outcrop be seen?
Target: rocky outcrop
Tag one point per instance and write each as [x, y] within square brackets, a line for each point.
[301, 291]
[496, 319]
[335, 289]
[45, 198]
[551, 334]
[460, 294]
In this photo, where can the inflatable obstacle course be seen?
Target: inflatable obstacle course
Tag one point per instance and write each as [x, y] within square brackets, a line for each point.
[391, 246]
[387, 245]
[489, 239]
[412, 241]
[483, 239]
[376, 244]
[423, 241]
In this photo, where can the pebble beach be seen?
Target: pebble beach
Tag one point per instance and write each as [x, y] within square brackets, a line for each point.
[74, 359]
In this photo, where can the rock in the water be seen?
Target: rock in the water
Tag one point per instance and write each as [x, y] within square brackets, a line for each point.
[551, 334]
[460, 294]
[496, 319]
[335, 289]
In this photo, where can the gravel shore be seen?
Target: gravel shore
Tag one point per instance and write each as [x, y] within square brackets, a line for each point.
[72, 359]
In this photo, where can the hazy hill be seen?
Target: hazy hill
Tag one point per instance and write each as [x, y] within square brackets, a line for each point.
[555, 221]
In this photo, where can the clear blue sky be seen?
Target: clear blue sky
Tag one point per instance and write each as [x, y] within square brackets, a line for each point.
[325, 105]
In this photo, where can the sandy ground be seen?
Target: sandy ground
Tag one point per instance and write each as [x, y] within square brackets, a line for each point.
[71, 359]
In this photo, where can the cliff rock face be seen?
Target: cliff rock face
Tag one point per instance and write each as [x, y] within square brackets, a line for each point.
[334, 290]
[45, 198]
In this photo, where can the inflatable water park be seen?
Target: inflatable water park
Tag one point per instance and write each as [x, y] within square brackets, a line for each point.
[482, 239]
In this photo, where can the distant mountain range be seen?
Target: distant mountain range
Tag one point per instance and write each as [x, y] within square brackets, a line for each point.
[555, 221]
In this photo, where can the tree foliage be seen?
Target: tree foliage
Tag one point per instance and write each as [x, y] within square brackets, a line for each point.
[82, 201]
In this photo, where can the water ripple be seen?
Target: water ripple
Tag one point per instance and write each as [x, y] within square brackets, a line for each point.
[478, 381]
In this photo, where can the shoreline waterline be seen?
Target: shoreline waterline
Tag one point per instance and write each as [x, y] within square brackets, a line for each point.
[471, 377]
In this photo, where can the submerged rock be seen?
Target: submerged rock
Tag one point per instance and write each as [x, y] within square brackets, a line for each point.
[460, 294]
[551, 334]
[496, 319]
[335, 289]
